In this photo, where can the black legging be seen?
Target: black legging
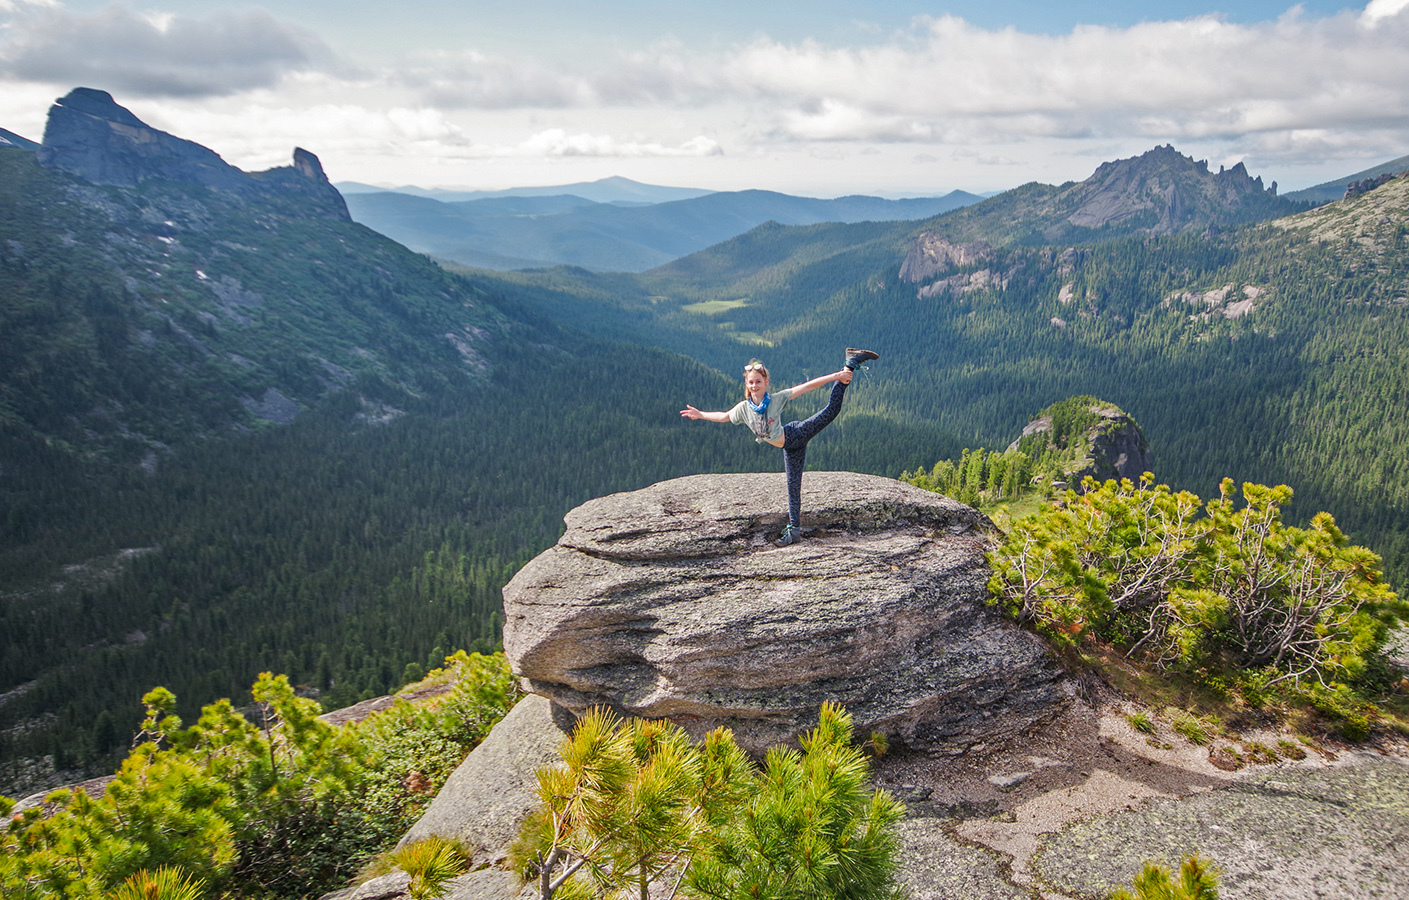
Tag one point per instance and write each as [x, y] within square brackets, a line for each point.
[795, 438]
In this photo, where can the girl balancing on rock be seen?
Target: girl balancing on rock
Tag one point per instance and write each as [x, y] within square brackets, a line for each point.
[762, 411]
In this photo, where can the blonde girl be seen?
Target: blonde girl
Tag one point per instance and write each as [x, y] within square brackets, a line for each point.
[761, 412]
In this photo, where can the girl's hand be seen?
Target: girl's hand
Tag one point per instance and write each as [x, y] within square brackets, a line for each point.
[845, 376]
[690, 412]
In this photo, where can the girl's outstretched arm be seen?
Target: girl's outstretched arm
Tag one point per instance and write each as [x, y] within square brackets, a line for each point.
[690, 412]
[844, 376]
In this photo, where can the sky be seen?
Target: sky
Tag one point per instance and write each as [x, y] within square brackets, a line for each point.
[814, 97]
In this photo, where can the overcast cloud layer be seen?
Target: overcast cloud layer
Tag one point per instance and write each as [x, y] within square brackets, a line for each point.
[934, 106]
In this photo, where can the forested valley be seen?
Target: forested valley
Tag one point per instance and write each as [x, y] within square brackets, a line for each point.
[1273, 352]
[167, 521]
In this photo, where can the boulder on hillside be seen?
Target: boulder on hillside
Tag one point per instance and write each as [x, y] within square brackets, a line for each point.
[672, 602]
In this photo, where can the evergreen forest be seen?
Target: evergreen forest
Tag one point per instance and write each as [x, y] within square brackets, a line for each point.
[1272, 352]
[236, 437]
[167, 520]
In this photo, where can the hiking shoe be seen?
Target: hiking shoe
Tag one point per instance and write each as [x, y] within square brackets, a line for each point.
[854, 357]
[791, 535]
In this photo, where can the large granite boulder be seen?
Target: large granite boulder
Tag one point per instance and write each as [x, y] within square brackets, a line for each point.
[673, 602]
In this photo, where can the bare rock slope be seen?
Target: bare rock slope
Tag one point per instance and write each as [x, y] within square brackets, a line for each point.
[672, 602]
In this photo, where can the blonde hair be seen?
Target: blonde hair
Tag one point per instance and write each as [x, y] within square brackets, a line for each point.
[750, 366]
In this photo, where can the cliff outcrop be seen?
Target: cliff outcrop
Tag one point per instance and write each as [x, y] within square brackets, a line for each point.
[672, 602]
[1109, 445]
[89, 135]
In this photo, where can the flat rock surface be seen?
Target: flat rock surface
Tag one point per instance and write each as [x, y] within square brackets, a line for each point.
[1096, 800]
[1288, 833]
[672, 602]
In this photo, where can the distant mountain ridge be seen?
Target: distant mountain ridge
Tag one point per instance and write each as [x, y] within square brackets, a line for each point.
[536, 231]
[614, 189]
[1328, 191]
[1159, 192]
[89, 135]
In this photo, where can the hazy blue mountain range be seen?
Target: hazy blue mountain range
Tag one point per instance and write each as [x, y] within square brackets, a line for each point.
[1335, 190]
[604, 190]
[510, 232]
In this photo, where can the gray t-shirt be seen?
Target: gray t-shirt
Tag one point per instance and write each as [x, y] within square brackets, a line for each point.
[765, 429]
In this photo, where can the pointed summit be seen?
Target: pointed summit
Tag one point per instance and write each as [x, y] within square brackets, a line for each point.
[1163, 189]
[89, 135]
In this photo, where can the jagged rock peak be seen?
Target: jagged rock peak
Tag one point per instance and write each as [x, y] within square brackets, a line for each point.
[1174, 189]
[89, 135]
[308, 165]
[671, 602]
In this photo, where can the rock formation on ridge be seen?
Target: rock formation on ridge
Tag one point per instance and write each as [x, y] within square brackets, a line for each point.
[933, 254]
[671, 602]
[1163, 185]
[1111, 446]
[89, 135]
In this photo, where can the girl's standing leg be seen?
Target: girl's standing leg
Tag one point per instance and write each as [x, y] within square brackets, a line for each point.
[795, 438]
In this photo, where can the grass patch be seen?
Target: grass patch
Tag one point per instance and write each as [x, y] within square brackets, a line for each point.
[1261, 753]
[1291, 749]
[714, 307]
[751, 337]
[1006, 513]
[1141, 722]
[1196, 729]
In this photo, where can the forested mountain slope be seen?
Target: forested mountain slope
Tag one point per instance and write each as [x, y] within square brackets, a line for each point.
[1270, 352]
[242, 433]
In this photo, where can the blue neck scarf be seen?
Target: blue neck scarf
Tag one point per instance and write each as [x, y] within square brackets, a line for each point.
[760, 408]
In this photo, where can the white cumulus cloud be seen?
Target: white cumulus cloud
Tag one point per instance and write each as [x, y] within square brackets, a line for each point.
[1196, 77]
[558, 142]
[152, 54]
[944, 79]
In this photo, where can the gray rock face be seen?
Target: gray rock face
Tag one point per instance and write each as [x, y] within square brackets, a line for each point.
[485, 801]
[1163, 185]
[933, 254]
[1118, 451]
[671, 602]
[1116, 447]
[89, 135]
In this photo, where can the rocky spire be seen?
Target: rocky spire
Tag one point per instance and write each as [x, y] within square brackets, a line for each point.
[89, 135]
